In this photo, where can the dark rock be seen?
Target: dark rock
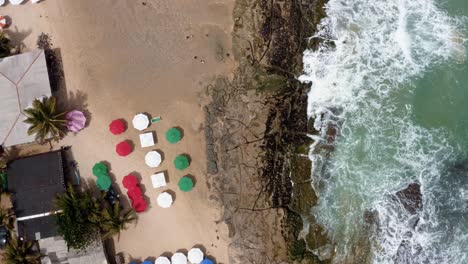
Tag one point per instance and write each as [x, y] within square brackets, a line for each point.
[411, 198]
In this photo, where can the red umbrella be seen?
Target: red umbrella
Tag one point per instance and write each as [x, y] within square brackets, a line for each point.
[117, 127]
[139, 205]
[123, 148]
[129, 181]
[135, 193]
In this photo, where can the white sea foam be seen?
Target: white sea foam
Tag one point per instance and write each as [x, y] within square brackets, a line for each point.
[362, 82]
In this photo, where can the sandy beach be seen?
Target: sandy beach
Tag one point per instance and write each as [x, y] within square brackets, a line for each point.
[124, 57]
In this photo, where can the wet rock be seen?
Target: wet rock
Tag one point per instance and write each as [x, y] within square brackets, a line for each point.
[325, 252]
[411, 198]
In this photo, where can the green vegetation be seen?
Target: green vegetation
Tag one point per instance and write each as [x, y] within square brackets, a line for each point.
[20, 252]
[74, 223]
[112, 220]
[45, 121]
[83, 215]
[5, 219]
[5, 46]
[181, 162]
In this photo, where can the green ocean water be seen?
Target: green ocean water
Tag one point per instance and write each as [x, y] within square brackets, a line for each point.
[395, 83]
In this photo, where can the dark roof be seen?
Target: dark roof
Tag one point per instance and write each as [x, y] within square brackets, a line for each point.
[34, 182]
[45, 226]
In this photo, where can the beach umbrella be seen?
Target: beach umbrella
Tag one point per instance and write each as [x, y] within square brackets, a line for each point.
[173, 135]
[181, 162]
[103, 183]
[140, 121]
[99, 169]
[164, 200]
[135, 193]
[123, 148]
[76, 120]
[162, 260]
[207, 261]
[185, 184]
[153, 159]
[147, 262]
[117, 126]
[16, 2]
[195, 255]
[139, 205]
[179, 258]
[130, 181]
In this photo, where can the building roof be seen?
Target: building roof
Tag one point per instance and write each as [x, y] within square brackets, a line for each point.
[55, 251]
[34, 183]
[23, 78]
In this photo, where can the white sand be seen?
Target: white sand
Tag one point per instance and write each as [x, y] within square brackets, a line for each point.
[123, 57]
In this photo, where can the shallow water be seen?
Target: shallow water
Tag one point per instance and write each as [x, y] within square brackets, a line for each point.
[394, 78]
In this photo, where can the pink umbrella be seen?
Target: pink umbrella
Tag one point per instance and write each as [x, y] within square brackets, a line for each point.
[76, 120]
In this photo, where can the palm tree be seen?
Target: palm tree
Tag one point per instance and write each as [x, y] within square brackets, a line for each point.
[5, 219]
[20, 252]
[74, 222]
[45, 120]
[113, 221]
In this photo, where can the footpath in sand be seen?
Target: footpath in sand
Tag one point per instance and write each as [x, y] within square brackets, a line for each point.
[128, 56]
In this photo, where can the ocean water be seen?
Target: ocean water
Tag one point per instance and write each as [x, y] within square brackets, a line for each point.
[392, 75]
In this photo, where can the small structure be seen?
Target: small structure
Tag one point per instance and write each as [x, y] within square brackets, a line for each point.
[76, 121]
[140, 121]
[185, 184]
[195, 255]
[117, 127]
[158, 180]
[35, 182]
[179, 258]
[207, 261]
[23, 78]
[173, 135]
[164, 200]
[162, 260]
[123, 148]
[147, 140]
[55, 251]
[153, 159]
[181, 162]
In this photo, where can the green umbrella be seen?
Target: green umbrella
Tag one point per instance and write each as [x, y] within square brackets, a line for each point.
[185, 184]
[181, 162]
[99, 169]
[173, 135]
[103, 183]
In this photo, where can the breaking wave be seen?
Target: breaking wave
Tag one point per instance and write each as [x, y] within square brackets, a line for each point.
[364, 75]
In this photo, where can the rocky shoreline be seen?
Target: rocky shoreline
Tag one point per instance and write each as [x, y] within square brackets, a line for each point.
[256, 133]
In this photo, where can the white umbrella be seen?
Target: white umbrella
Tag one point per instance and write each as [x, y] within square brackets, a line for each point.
[179, 258]
[195, 255]
[162, 260]
[165, 200]
[16, 2]
[140, 122]
[153, 159]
